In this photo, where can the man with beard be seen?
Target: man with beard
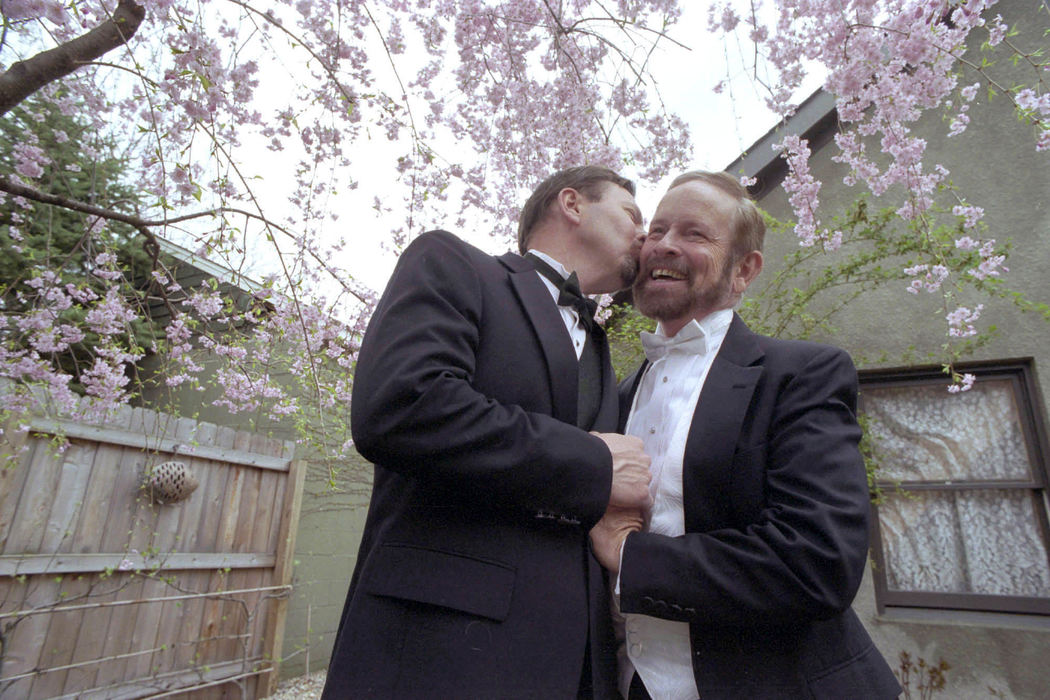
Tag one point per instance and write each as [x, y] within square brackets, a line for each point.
[478, 381]
[738, 584]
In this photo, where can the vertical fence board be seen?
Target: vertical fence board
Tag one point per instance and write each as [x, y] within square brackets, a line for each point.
[31, 632]
[127, 497]
[274, 634]
[60, 640]
[26, 535]
[13, 475]
[120, 632]
[142, 514]
[68, 498]
[145, 630]
[207, 614]
[34, 507]
[91, 635]
[192, 510]
[14, 591]
[101, 494]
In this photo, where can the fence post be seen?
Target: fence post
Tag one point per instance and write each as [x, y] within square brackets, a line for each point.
[274, 639]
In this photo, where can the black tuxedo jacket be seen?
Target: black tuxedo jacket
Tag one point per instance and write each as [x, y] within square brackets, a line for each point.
[776, 517]
[474, 578]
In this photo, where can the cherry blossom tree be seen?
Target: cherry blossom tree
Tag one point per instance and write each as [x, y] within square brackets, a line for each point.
[221, 103]
[247, 126]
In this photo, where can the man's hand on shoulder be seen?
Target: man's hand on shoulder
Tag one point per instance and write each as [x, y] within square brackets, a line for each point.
[631, 477]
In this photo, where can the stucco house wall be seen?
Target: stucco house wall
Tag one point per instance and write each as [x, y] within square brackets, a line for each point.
[994, 162]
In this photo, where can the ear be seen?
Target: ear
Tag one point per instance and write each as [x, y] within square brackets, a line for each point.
[746, 270]
[570, 204]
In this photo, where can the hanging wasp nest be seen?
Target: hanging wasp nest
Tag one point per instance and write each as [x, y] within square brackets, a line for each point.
[170, 482]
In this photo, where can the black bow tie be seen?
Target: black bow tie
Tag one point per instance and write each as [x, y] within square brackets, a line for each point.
[569, 293]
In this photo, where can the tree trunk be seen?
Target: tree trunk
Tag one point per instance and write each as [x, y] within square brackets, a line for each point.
[26, 77]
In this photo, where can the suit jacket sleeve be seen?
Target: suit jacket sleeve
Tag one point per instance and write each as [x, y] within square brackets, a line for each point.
[803, 555]
[414, 408]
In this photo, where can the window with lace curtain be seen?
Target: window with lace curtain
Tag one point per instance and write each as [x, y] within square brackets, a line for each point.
[962, 514]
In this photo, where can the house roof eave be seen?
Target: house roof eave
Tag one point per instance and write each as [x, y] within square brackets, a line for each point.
[816, 120]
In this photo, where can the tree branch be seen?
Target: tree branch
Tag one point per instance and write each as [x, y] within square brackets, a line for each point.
[26, 77]
[17, 189]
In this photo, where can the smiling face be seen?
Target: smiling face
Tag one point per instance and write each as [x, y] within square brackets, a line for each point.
[688, 268]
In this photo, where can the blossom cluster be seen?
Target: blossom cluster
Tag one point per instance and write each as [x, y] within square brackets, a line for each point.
[960, 321]
[890, 64]
[51, 326]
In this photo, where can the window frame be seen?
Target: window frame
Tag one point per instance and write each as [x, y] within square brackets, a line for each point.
[1022, 378]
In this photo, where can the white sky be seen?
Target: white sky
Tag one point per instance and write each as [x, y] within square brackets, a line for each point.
[721, 126]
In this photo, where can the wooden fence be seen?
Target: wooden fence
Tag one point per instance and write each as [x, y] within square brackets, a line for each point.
[106, 594]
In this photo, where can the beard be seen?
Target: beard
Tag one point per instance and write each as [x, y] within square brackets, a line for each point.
[696, 299]
[628, 270]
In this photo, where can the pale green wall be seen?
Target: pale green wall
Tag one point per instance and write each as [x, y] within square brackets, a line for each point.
[325, 553]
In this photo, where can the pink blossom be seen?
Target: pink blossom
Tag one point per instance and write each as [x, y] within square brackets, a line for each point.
[30, 160]
[206, 302]
[104, 263]
[802, 188]
[111, 315]
[989, 267]
[960, 321]
[932, 277]
[964, 382]
[971, 214]
[997, 31]
[53, 10]
[1043, 142]
[1029, 99]
[959, 124]
[105, 380]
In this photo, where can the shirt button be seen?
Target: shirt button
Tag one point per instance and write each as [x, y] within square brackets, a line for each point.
[665, 380]
[578, 345]
[652, 431]
[636, 649]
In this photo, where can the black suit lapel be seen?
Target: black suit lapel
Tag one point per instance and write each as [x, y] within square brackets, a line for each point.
[715, 430]
[562, 365]
[606, 420]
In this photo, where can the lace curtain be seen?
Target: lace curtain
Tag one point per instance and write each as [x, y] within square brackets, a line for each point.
[984, 541]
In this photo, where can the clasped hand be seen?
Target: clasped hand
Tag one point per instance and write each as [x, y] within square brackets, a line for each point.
[629, 499]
